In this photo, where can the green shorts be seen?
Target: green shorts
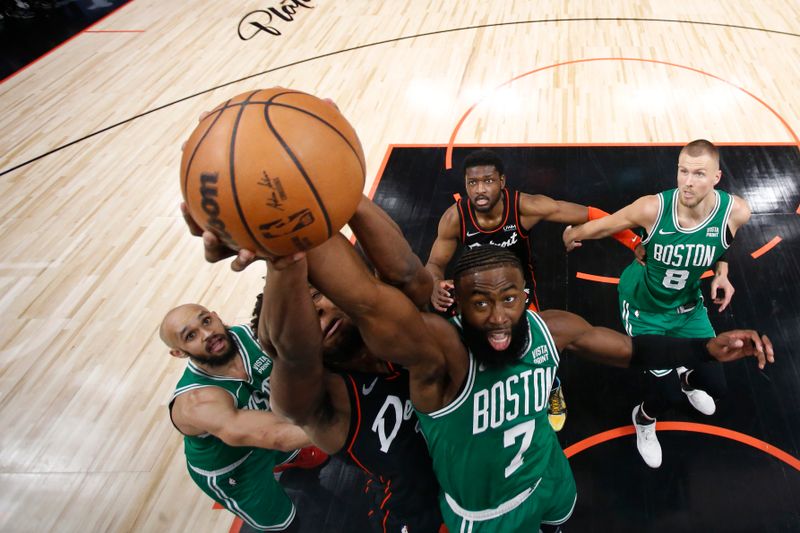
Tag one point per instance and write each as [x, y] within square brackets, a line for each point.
[551, 501]
[250, 491]
[682, 323]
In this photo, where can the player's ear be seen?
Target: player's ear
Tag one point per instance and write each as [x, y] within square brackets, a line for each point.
[180, 354]
[717, 177]
[502, 180]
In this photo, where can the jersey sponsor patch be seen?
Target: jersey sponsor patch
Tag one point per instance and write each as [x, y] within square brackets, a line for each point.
[712, 231]
[540, 354]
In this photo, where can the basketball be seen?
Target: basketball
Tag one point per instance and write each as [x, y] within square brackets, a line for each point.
[274, 171]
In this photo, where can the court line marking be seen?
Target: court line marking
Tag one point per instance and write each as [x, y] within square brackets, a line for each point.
[355, 48]
[615, 281]
[692, 427]
[767, 247]
[85, 30]
[490, 93]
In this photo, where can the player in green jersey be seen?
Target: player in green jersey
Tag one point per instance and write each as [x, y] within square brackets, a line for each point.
[688, 230]
[480, 386]
[221, 406]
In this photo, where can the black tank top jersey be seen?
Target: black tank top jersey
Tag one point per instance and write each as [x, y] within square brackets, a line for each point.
[385, 441]
[509, 234]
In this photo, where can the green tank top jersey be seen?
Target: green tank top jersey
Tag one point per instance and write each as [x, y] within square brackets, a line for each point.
[493, 444]
[676, 257]
[206, 454]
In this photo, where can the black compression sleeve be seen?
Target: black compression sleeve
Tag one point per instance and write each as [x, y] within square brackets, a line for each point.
[653, 352]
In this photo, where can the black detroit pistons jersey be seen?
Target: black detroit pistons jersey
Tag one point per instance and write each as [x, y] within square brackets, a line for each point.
[385, 440]
[509, 234]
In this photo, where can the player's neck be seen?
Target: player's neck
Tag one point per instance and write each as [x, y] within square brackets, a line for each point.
[492, 218]
[232, 369]
[689, 217]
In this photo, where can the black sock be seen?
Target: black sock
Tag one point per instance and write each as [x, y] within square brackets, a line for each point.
[641, 418]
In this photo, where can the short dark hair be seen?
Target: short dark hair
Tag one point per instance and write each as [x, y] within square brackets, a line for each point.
[486, 257]
[480, 158]
[700, 147]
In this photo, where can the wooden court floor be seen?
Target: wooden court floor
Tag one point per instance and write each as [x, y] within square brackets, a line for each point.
[93, 251]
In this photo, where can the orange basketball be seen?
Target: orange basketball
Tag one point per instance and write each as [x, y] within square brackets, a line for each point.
[274, 171]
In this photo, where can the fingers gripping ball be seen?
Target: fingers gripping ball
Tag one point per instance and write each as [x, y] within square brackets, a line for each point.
[274, 171]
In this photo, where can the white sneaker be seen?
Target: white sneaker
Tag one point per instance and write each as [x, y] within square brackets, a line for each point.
[699, 399]
[646, 441]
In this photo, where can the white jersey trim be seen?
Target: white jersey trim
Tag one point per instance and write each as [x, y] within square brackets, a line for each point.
[234, 507]
[220, 471]
[551, 343]
[490, 514]
[566, 517]
[658, 219]
[465, 393]
[724, 229]
[700, 225]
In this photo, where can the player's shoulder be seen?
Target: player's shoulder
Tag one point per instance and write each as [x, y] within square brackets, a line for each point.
[189, 410]
[563, 325]
[203, 395]
[740, 210]
[535, 204]
[648, 204]
[450, 222]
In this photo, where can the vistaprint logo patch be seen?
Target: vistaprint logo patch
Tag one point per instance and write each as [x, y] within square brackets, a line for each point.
[712, 231]
[540, 354]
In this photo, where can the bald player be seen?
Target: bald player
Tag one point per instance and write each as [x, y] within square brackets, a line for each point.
[231, 439]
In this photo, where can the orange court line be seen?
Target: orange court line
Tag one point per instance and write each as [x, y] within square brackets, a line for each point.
[587, 144]
[381, 170]
[451, 143]
[615, 281]
[64, 43]
[766, 248]
[599, 279]
[690, 427]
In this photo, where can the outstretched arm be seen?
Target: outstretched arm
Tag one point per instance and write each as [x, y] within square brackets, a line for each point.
[301, 389]
[539, 207]
[444, 247]
[389, 252]
[641, 213]
[608, 347]
[211, 410]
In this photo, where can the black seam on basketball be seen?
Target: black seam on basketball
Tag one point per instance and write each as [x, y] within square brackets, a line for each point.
[233, 175]
[300, 168]
[197, 147]
[331, 126]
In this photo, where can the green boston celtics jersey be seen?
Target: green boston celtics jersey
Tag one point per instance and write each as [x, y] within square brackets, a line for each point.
[206, 453]
[676, 257]
[493, 444]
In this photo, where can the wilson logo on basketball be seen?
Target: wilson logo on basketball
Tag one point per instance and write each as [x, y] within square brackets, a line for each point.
[208, 194]
[260, 20]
